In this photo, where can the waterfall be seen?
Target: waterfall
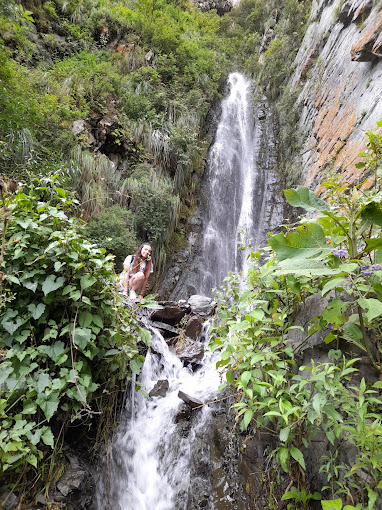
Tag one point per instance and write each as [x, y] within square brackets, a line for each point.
[240, 189]
[149, 462]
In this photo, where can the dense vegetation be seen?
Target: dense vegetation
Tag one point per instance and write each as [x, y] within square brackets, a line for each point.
[336, 257]
[103, 119]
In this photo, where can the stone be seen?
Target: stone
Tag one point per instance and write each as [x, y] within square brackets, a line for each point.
[202, 305]
[160, 389]
[79, 126]
[188, 350]
[184, 413]
[72, 478]
[191, 401]
[194, 327]
[171, 313]
[166, 330]
[41, 499]
[8, 500]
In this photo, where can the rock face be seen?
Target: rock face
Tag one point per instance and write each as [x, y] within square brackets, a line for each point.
[339, 72]
[221, 6]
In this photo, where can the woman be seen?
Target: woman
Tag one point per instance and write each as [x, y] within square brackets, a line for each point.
[137, 269]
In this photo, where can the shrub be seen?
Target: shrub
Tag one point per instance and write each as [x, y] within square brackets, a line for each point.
[65, 341]
[113, 230]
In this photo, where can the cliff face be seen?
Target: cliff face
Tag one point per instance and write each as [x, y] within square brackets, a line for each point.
[339, 71]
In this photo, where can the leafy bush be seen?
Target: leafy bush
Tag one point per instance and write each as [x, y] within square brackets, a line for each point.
[113, 230]
[338, 254]
[65, 340]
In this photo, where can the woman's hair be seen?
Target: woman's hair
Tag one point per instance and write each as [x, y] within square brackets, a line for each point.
[138, 259]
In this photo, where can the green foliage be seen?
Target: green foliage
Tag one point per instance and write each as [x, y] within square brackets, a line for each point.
[155, 209]
[113, 230]
[337, 254]
[66, 340]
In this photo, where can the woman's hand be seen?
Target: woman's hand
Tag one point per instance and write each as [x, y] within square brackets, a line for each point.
[140, 296]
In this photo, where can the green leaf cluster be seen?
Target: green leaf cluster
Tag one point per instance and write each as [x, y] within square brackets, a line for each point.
[66, 342]
[335, 254]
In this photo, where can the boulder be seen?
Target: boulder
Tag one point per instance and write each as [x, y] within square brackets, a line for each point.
[166, 330]
[194, 327]
[202, 305]
[171, 313]
[72, 478]
[184, 413]
[160, 389]
[188, 350]
[191, 401]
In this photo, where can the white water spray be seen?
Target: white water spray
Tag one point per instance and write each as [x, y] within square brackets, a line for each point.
[149, 464]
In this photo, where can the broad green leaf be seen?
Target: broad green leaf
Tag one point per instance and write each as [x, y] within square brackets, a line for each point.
[55, 351]
[52, 283]
[245, 378]
[332, 284]
[373, 213]
[247, 418]
[255, 314]
[24, 223]
[308, 241]
[36, 310]
[297, 455]
[98, 321]
[284, 434]
[334, 313]
[319, 400]
[87, 281]
[373, 307]
[12, 279]
[42, 382]
[135, 365]
[304, 267]
[284, 458]
[4, 372]
[47, 436]
[305, 198]
[85, 319]
[32, 459]
[82, 336]
[331, 504]
[373, 244]
[145, 336]
[352, 333]
[230, 377]
[29, 285]
[60, 191]
[48, 404]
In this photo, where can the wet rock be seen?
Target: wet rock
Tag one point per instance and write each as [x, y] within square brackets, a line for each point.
[202, 305]
[171, 313]
[188, 350]
[194, 327]
[166, 330]
[160, 389]
[191, 401]
[184, 413]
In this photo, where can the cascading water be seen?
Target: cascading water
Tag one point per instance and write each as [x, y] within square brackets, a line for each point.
[152, 460]
[231, 183]
[149, 462]
[240, 187]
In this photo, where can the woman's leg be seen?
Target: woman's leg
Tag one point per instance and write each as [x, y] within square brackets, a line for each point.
[136, 281]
